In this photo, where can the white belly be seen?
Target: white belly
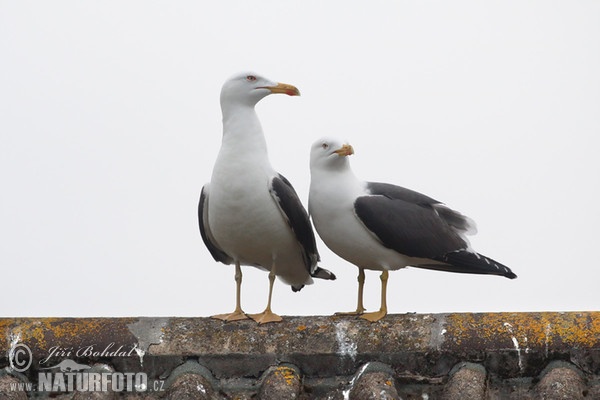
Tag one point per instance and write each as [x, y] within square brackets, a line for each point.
[248, 225]
[333, 215]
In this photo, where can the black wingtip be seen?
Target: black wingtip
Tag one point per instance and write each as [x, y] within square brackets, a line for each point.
[511, 275]
[320, 273]
[472, 263]
[323, 273]
[297, 288]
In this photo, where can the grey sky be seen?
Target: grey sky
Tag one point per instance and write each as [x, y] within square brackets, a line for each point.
[110, 125]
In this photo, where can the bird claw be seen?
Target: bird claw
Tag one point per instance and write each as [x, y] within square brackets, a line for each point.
[359, 311]
[266, 317]
[374, 316]
[237, 315]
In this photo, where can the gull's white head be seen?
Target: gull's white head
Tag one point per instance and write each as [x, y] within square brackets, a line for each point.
[248, 88]
[330, 153]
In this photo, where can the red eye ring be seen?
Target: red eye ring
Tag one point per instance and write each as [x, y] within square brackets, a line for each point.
[250, 78]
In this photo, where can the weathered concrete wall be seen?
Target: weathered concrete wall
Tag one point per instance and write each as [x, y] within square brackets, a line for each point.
[421, 355]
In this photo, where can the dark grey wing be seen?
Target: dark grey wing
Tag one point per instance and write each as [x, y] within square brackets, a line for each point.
[415, 230]
[207, 237]
[400, 193]
[416, 225]
[453, 218]
[297, 218]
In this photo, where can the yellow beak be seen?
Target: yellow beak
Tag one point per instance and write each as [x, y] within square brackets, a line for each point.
[290, 90]
[345, 150]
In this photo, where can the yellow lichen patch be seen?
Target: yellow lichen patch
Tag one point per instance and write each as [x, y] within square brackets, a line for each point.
[388, 382]
[31, 330]
[288, 374]
[575, 329]
[76, 329]
[46, 332]
[459, 325]
[301, 328]
[528, 329]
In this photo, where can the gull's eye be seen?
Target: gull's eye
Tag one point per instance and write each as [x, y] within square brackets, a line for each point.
[250, 78]
[325, 146]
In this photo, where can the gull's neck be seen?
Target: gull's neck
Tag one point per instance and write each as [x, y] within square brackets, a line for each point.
[242, 130]
[340, 179]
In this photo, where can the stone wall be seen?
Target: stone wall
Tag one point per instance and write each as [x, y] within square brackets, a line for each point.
[411, 356]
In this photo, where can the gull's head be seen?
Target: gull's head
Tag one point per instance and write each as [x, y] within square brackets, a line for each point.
[248, 88]
[330, 154]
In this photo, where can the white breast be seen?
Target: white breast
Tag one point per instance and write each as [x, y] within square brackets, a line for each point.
[331, 206]
[245, 220]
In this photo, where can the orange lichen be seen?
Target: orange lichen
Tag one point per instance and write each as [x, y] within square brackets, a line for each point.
[63, 331]
[288, 374]
[531, 329]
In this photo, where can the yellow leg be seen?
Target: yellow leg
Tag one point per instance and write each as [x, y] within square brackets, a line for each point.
[268, 315]
[237, 314]
[360, 309]
[377, 315]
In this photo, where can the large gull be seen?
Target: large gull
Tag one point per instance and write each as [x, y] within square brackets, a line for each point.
[248, 213]
[379, 226]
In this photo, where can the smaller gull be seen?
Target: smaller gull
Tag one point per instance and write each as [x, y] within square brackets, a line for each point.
[249, 214]
[383, 227]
